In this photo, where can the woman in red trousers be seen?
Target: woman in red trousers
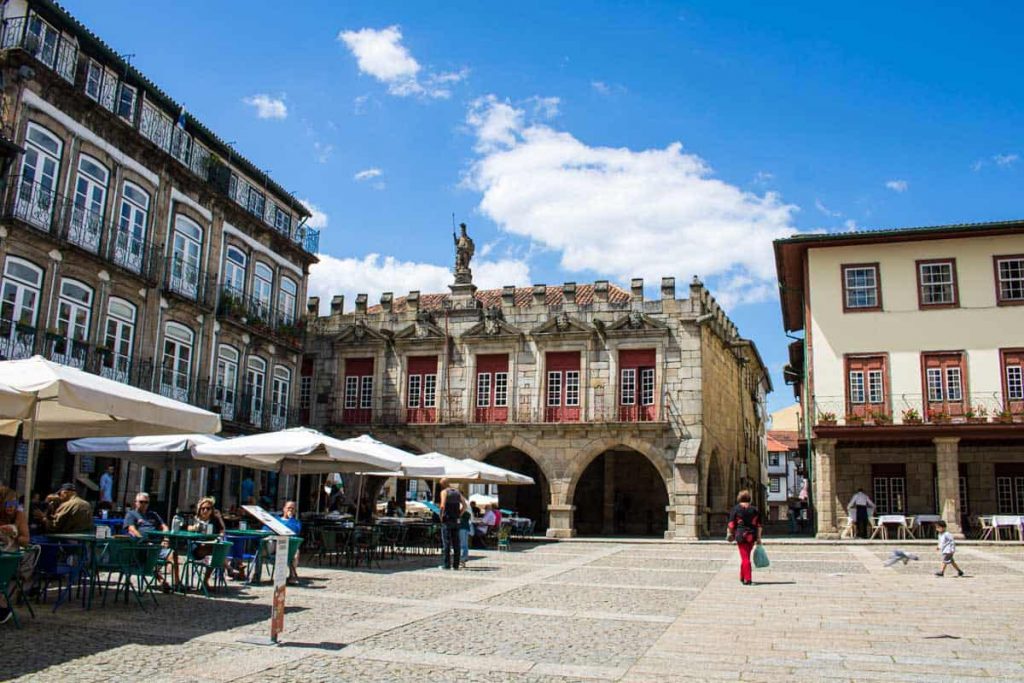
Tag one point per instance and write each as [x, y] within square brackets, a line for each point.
[745, 528]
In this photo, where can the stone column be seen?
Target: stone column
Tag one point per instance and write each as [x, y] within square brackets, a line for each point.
[560, 510]
[825, 488]
[608, 495]
[947, 471]
[686, 497]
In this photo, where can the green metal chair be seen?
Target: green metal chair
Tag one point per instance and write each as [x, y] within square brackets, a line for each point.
[268, 556]
[329, 546]
[137, 565]
[213, 562]
[10, 564]
[504, 536]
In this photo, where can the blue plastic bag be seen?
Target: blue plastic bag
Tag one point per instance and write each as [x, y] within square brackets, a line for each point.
[760, 556]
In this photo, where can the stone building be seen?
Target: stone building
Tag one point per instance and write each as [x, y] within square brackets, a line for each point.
[634, 416]
[910, 370]
[136, 244]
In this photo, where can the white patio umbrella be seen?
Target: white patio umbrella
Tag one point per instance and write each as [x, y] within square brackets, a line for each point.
[14, 407]
[70, 403]
[412, 466]
[492, 474]
[296, 451]
[433, 466]
[159, 452]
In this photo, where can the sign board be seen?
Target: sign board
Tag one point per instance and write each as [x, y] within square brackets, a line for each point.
[21, 453]
[270, 520]
[280, 582]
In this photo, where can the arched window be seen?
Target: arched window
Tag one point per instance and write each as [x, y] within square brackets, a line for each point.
[176, 373]
[19, 308]
[234, 272]
[279, 397]
[227, 380]
[186, 255]
[130, 240]
[287, 294]
[37, 186]
[86, 223]
[255, 388]
[262, 286]
[119, 340]
[74, 316]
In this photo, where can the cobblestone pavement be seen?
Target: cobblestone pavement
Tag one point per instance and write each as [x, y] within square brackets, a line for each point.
[570, 611]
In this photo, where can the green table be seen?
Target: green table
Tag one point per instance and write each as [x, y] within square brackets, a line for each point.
[88, 540]
[181, 537]
[245, 536]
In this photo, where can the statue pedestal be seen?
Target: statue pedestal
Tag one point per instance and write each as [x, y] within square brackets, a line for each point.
[462, 290]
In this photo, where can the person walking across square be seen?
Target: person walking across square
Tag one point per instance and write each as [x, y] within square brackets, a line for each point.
[452, 507]
[947, 548]
[745, 529]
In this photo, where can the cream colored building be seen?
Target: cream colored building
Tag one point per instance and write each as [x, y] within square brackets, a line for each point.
[914, 354]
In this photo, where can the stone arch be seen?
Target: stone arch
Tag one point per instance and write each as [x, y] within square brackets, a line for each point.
[521, 456]
[582, 461]
[715, 491]
[517, 442]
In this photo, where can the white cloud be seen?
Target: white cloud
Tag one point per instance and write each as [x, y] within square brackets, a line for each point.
[375, 274]
[367, 174]
[1005, 160]
[763, 177]
[977, 165]
[825, 210]
[380, 54]
[322, 151]
[850, 225]
[267, 107]
[601, 87]
[897, 185]
[620, 212]
[319, 219]
[546, 107]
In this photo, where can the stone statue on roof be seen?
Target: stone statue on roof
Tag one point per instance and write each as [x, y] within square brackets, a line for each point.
[464, 249]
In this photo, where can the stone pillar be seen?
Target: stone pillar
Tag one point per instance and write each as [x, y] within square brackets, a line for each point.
[608, 497]
[560, 511]
[947, 471]
[686, 497]
[825, 507]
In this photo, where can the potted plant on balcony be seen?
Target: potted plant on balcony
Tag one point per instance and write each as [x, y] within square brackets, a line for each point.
[977, 415]
[59, 343]
[938, 417]
[881, 417]
[105, 355]
[911, 416]
[827, 419]
[854, 420]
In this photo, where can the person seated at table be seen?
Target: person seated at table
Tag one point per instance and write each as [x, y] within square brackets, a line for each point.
[497, 516]
[72, 516]
[14, 537]
[35, 505]
[208, 520]
[485, 525]
[290, 520]
[391, 508]
[141, 519]
[474, 509]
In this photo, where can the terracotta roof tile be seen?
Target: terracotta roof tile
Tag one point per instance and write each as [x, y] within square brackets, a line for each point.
[783, 440]
[523, 298]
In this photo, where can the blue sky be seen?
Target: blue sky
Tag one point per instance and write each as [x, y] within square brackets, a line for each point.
[599, 140]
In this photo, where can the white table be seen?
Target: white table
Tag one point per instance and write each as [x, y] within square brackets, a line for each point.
[903, 526]
[1012, 521]
[926, 519]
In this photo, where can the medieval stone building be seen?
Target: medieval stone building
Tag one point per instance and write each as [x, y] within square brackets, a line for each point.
[634, 416]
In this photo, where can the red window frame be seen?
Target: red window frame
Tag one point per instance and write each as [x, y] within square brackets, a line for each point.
[878, 287]
[357, 391]
[637, 366]
[491, 372]
[995, 275]
[865, 404]
[562, 374]
[1012, 359]
[938, 364]
[421, 389]
[921, 303]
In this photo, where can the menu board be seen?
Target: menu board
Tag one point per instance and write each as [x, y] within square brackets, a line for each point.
[268, 519]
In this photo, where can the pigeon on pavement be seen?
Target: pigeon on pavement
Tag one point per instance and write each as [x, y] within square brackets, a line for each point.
[900, 556]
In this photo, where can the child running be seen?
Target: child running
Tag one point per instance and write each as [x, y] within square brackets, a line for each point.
[947, 546]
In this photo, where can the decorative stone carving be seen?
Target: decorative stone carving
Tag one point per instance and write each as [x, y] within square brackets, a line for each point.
[562, 322]
[464, 250]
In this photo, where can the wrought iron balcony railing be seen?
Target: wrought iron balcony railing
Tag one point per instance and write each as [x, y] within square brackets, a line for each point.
[43, 42]
[260, 315]
[917, 409]
[189, 281]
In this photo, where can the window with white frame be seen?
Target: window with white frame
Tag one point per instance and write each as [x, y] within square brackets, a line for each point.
[554, 388]
[628, 391]
[22, 285]
[86, 223]
[130, 240]
[279, 395]
[93, 79]
[500, 389]
[351, 392]
[429, 391]
[126, 103]
[776, 484]
[1010, 279]
[572, 387]
[227, 379]
[74, 309]
[287, 294]
[366, 392]
[954, 387]
[415, 387]
[234, 271]
[262, 286]
[483, 390]
[773, 459]
[37, 187]
[305, 392]
[647, 386]
[856, 386]
[860, 287]
[936, 281]
[119, 339]
[176, 371]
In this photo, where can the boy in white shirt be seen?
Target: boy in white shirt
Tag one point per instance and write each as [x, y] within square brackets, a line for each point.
[947, 547]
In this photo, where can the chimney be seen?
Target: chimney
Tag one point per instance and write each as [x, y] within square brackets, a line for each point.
[361, 303]
[601, 291]
[413, 300]
[668, 288]
[508, 295]
[337, 304]
[637, 287]
[569, 292]
[385, 301]
[313, 306]
[540, 295]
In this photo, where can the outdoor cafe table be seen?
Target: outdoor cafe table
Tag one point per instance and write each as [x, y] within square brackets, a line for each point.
[921, 520]
[902, 522]
[181, 539]
[115, 523]
[1014, 522]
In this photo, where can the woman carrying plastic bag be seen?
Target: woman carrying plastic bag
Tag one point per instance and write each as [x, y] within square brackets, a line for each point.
[745, 529]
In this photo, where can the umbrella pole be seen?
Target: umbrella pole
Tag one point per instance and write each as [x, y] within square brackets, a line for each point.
[318, 492]
[33, 453]
[359, 497]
